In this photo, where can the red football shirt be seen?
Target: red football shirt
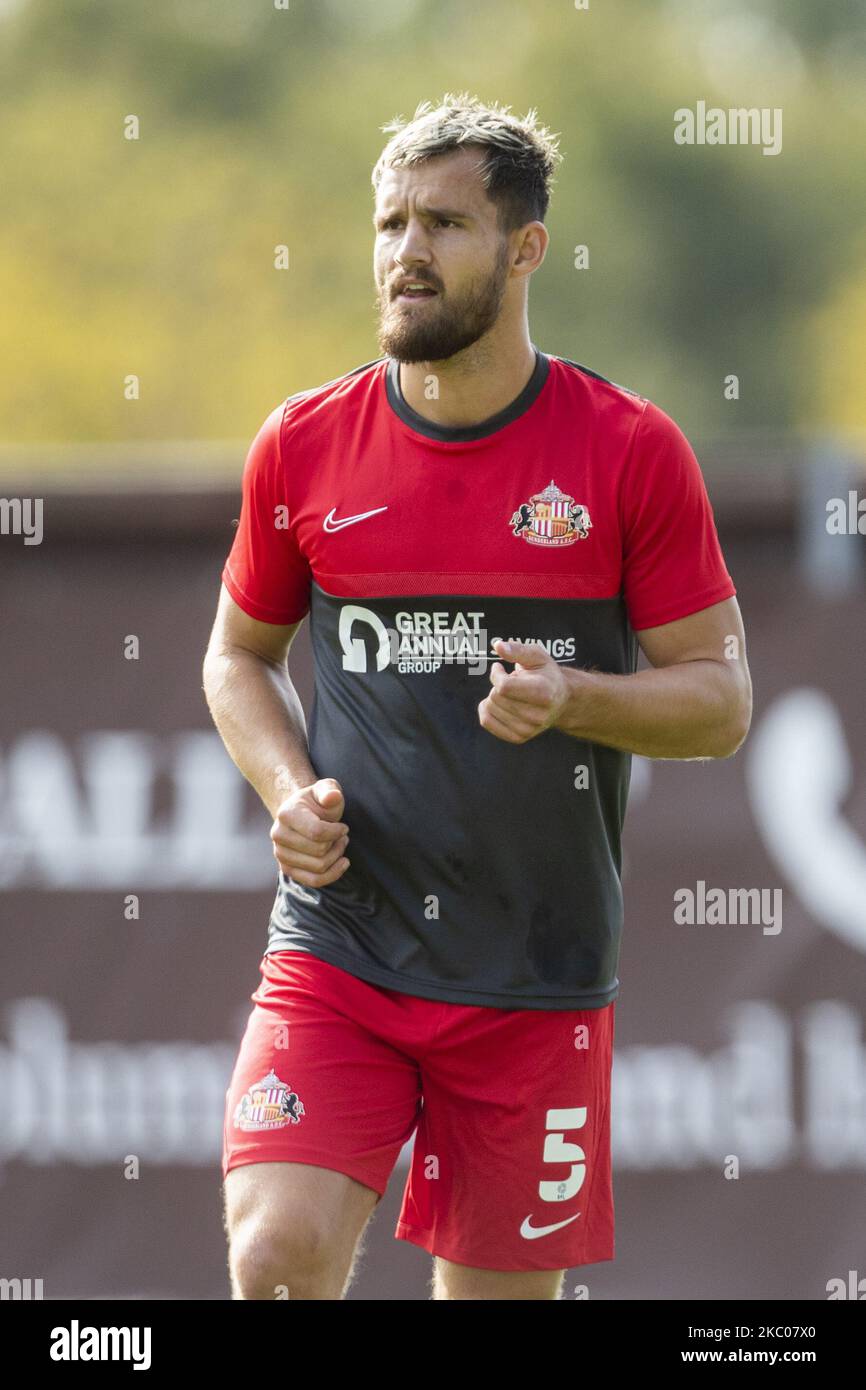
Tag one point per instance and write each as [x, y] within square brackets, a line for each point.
[575, 517]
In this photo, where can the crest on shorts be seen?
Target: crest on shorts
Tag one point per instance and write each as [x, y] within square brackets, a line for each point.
[551, 517]
[269, 1104]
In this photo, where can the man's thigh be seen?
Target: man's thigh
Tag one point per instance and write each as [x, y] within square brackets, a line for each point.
[320, 1103]
[294, 1224]
[284, 1193]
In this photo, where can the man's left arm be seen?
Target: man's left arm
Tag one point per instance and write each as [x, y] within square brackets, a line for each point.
[695, 702]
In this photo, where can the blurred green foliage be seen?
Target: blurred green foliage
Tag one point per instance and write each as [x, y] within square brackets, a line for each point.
[259, 126]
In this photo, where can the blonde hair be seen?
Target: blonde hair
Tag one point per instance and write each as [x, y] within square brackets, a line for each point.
[521, 155]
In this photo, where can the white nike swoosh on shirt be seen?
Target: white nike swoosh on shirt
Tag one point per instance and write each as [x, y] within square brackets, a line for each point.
[533, 1232]
[329, 524]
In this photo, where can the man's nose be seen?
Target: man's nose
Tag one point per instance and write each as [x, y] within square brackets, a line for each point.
[413, 244]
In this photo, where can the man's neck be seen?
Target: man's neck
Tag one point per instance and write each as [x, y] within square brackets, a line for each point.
[470, 387]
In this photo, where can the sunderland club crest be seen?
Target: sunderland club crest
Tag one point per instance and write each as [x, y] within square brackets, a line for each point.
[268, 1104]
[551, 517]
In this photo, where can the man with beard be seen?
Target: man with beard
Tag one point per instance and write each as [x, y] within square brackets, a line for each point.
[442, 951]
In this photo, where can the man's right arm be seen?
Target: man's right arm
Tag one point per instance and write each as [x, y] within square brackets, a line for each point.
[260, 719]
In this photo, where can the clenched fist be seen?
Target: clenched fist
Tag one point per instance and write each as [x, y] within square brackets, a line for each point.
[308, 835]
[530, 699]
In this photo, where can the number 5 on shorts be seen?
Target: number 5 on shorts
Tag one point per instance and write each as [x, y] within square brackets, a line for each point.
[556, 1150]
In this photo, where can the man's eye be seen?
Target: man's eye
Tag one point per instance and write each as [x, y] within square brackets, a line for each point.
[392, 222]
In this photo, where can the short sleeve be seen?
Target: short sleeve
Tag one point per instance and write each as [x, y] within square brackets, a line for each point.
[672, 560]
[265, 572]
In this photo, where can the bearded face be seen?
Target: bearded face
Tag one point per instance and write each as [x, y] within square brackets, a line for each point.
[415, 326]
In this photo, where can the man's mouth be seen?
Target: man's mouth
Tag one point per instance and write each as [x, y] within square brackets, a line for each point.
[416, 290]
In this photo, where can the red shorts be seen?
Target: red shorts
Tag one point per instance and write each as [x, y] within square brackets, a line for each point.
[510, 1108]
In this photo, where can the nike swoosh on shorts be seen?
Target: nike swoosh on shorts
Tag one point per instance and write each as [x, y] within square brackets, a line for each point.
[533, 1232]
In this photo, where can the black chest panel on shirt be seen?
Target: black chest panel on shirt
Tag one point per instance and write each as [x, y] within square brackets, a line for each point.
[481, 870]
